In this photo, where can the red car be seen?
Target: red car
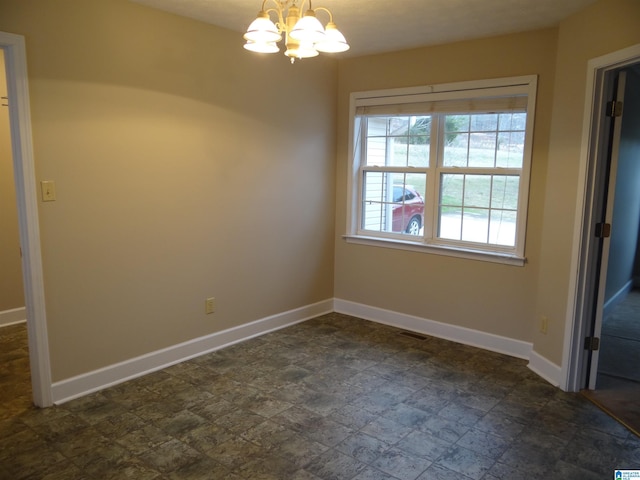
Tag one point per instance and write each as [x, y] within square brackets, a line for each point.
[408, 209]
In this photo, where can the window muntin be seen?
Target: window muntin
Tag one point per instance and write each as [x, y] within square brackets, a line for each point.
[467, 157]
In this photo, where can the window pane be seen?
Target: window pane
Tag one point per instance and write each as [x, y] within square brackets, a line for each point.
[420, 131]
[377, 126]
[510, 150]
[398, 126]
[504, 192]
[450, 224]
[475, 225]
[512, 121]
[376, 151]
[451, 190]
[477, 190]
[457, 123]
[502, 229]
[482, 150]
[392, 204]
[484, 122]
[419, 152]
[456, 150]
[398, 152]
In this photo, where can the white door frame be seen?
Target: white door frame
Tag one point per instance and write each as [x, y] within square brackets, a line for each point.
[578, 318]
[27, 203]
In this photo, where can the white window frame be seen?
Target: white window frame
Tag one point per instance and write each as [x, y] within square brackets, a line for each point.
[429, 243]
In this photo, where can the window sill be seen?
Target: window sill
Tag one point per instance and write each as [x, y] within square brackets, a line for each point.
[484, 256]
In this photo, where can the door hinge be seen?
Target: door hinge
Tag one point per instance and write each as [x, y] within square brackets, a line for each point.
[5, 101]
[614, 108]
[591, 343]
[603, 230]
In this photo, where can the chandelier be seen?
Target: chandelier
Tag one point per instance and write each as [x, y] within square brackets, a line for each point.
[304, 35]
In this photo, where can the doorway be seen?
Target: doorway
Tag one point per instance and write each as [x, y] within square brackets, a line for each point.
[15, 377]
[614, 377]
[605, 315]
[26, 202]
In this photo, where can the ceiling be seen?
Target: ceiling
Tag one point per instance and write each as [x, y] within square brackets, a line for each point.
[372, 26]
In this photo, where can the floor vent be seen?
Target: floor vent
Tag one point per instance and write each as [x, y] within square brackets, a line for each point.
[413, 335]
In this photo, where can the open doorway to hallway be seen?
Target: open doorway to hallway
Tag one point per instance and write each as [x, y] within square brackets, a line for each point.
[613, 363]
[26, 197]
[15, 376]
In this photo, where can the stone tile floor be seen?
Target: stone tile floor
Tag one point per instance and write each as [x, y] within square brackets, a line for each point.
[333, 398]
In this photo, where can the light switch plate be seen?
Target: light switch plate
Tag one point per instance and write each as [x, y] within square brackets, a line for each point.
[48, 188]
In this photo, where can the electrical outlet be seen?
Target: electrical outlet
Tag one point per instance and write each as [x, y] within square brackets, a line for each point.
[544, 324]
[210, 305]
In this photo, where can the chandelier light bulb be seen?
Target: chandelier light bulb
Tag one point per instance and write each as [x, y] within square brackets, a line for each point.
[334, 41]
[262, 47]
[308, 29]
[262, 29]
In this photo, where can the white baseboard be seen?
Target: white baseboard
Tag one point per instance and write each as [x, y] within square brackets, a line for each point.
[96, 380]
[548, 370]
[13, 316]
[467, 336]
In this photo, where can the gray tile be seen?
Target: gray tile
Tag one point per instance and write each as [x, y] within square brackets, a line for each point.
[407, 415]
[297, 419]
[327, 432]
[503, 471]
[267, 467]
[370, 473]
[238, 421]
[299, 450]
[484, 443]
[445, 429]
[400, 464]
[143, 439]
[333, 465]
[234, 452]
[170, 456]
[387, 430]
[461, 413]
[466, 462]
[438, 472]
[207, 437]
[424, 445]
[352, 416]
[529, 458]
[562, 470]
[501, 425]
[363, 447]
[180, 423]
[203, 468]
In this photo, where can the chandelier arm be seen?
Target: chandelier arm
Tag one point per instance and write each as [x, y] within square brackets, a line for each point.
[280, 5]
[280, 22]
[324, 10]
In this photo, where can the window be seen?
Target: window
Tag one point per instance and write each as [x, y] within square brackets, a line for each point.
[443, 168]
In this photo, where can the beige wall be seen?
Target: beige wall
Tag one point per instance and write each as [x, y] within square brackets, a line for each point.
[604, 27]
[11, 294]
[493, 298]
[185, 168]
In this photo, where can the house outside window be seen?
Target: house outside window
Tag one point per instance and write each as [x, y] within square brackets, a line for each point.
[443, 169]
